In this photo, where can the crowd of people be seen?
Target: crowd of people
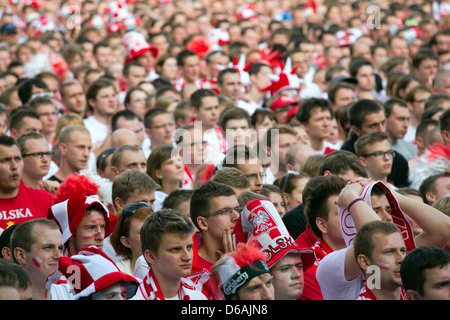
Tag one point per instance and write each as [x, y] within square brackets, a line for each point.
[224, 150]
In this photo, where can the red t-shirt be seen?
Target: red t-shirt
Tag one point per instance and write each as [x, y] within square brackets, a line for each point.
[27, 205]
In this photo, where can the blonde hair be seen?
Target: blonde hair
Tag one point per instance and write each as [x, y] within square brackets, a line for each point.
[67, 119]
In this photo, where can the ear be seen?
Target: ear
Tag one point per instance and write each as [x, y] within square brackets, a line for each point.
[410, 106]
[92, 103]
[125, 242]
[147, 132]
[6, 253]
[202, 223]
[356, 130]
[114, 172]
[362, 160]
[13, 133]
[363, 261]
[180, 122]
[286, 198]
[118, 203]
[158, 174]
[306, 126]
[327, 173]
[419, 142]
[322, 225]
[289, 167]
[430, 197]
[150, 257]
[20, 255]
[269, 151]
[413, 295]
[445, 136]
[62, 148]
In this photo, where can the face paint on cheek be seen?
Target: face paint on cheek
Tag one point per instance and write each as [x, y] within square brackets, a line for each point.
[90, 236]
[383, 265]
[37, 261]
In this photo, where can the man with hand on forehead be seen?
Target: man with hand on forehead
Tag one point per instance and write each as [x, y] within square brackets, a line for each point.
[84, 221]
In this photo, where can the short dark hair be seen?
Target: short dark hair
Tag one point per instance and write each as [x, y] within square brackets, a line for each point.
[223, 72]
[129, 65]
[421, 55]
[176, 198]
[198, 95]
[25, 87]
[389, 105]
[95, 87]
[335, 87]
[183, 54]
[151, 114]
[429, 184]
[305, 108]
[356, 64]
[129, 181]
[444, 121]
[340, 161]
[8, 141]
[358, 112]
[17, 116]
[315, 199]
[231, 114]
[161, 222]
[417, 261]
[201, 198]
[126, 114]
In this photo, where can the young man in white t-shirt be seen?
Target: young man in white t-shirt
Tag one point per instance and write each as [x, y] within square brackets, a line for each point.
[102, 98]
[339, 275]
[206, 110]
[316, 114]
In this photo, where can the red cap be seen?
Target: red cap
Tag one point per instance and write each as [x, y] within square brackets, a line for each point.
[282, 101]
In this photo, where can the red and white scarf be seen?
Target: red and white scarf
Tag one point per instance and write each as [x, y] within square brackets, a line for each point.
[321, 249]
[348, 227]
[150, 289]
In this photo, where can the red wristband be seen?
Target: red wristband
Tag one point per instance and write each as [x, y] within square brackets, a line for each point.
[353, 202]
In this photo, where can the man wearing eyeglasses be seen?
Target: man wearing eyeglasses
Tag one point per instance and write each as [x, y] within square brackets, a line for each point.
[37, 159]
[214, 212]
[246, 160]
[18, 203]
[376, 155]
[48, 115]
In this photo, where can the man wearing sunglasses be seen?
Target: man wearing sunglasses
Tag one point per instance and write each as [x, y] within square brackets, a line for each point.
[376, 155]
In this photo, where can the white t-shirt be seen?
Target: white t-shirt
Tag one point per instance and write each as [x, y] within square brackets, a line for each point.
[98, 131]
[159, 199]
[327, 144]
[61, 291]
[331, 277]
[215, 145]
[410, 135]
